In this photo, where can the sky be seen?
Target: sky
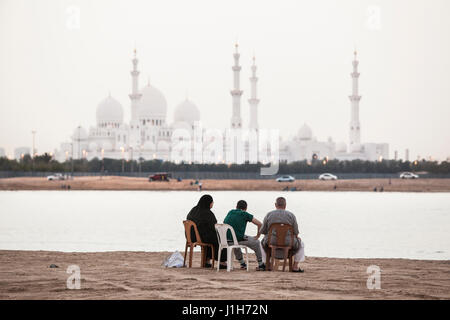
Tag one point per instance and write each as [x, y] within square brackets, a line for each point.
[60, 58]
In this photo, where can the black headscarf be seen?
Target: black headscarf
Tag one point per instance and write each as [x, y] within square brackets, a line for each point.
[204, 218]
[205, 202]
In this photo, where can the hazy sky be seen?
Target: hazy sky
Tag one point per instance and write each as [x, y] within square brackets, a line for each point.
[53, 73]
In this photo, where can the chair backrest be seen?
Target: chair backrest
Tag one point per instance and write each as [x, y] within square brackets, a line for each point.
[188, 225]
[281, 230]
[221, 230]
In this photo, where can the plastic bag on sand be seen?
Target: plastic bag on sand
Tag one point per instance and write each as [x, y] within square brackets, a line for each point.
[175, 260]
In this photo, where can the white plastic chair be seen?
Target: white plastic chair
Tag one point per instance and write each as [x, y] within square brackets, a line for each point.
[221, 230]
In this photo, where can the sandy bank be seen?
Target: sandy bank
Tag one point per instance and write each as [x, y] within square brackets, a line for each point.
[129, 183]
[139, 275]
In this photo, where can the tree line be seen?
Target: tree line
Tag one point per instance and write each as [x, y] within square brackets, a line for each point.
[46, 163]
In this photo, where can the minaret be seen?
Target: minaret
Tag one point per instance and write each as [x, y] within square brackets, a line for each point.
[355, 133]
[135, 96]
[236, 93]
[253, 101]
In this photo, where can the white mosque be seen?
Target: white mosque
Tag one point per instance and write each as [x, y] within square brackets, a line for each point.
[150, 135]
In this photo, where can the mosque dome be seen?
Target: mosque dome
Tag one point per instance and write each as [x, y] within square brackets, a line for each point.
[187, 111]
[152, 104]
[305, 132]
[79, 134]
[109, 110]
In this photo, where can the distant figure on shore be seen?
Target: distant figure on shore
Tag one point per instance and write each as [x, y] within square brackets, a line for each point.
[375, 189]
[199, 186]
[381, 189]
[238, 218]
[205, 220]
[281, 215]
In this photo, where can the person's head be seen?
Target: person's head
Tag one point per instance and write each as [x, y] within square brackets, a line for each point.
[205, 202]
[242, 205]
[280, 203]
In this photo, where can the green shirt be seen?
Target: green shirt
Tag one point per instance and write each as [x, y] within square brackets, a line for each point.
[238, 220]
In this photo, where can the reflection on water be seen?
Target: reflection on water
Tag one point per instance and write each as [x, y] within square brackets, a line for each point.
[332, 224]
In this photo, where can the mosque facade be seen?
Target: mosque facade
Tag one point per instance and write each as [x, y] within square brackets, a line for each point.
[150, 135]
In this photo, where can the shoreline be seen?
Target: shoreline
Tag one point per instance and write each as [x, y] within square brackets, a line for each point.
[135, 184]
[139, 275]
[167, 252]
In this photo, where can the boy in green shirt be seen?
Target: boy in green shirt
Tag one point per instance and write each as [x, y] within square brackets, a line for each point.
[238, 218]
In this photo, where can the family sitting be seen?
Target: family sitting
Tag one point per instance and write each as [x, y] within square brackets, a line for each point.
[238, 218]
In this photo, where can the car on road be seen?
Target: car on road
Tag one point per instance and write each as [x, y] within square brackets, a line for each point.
[327, 176]
[408, 175]
[286, 179]
[56, 176]
[160, 176]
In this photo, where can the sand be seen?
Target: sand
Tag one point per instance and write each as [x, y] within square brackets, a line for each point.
[131, 183]
[139, 275]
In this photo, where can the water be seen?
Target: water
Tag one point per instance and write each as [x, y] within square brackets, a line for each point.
[332, 224]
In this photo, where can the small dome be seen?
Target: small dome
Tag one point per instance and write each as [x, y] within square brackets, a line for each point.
[163, 146]
[149, 146]
[152, 104]
[187, 111]
[305, 132]
[109, 110]
[79, 134]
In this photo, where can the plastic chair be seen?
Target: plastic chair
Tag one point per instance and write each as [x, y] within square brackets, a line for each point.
[188, 225]
[281, 230]
[221, 230]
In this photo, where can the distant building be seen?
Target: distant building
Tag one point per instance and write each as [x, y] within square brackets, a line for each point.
[149, 135]
[21, 152]
[2, 153]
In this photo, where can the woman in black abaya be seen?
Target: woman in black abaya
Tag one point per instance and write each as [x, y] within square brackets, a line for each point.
[205, 220]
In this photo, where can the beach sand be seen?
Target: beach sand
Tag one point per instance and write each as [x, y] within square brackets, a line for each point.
[131, 183]
[139, 275]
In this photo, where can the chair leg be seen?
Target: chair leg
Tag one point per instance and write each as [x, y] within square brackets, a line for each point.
[229, 259]
[267, 259]
[272, 258]
[218, 258]
[185, 253]
[202, 260]
[191, 251]
[284, 260]
[212, 254]
[290, 263]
